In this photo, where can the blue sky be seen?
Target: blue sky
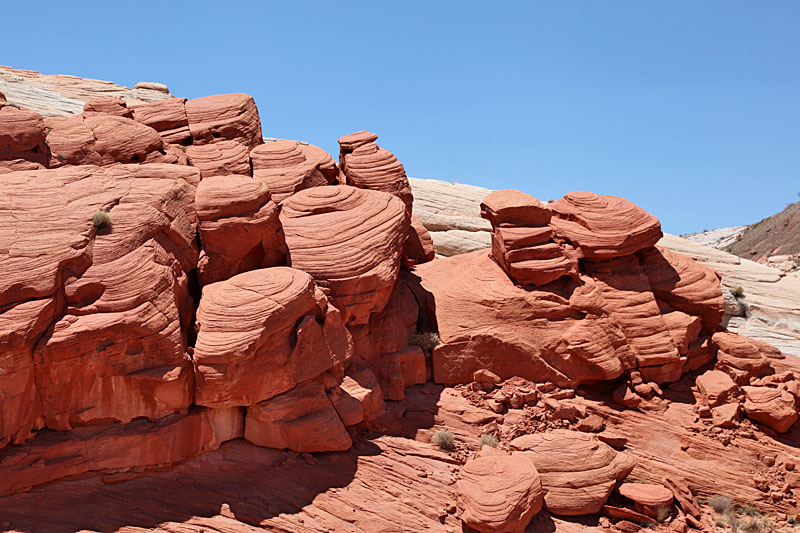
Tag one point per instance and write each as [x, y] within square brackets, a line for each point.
[690, 109]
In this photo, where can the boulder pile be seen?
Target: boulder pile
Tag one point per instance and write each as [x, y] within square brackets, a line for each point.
[171, 282]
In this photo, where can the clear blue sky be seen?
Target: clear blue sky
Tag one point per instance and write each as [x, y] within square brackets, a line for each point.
[689, 108]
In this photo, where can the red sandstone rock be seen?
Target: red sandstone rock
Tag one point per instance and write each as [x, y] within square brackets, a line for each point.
[418, 247]
[368, 166]
[53, 455]
[167, 117]
[498, 493]
[716, 387]
[578, 471]
[22, 135]
[627, 296]
[350, 240]
[603, 227]
[232, 117]
[362, 384]
[99, 139]
[772, 407]
[219, 159]
[522, 240]
[287, 167]
[239, 227]
[556, 333]
[301, 419]
[108, 105]
[117, 350]
[647, 494]
[684, 284]
[15, 165]
[741, 356]
[277, 338]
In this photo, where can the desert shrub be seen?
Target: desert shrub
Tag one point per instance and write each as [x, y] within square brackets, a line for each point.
[662, 513]
[738, 292]
[444, 439]
[101, 219]
[748, 510]
[488, 440]
[427, 341]
[720, 504]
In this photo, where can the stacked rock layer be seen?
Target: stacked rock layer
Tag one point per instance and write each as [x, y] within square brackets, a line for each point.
[171, 282]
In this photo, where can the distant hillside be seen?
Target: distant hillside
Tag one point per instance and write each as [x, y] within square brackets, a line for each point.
[775, 235]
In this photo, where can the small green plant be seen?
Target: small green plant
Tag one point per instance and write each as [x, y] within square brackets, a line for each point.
[738, 292]
[488, 440]
[720, 504]
[719, 522]
[444, 439]
[662, 513]
[732, 519]
[101, 219]
[426, 340]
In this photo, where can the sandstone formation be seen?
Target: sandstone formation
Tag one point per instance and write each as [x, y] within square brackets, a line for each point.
[280, 336]
[350, 240]
[287, 167]
[238, 227]
[497, 492]
[173, 283]
[578, 471]
[368, 166]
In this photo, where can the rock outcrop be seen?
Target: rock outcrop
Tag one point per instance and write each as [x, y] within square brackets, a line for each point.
[578, 472]
[287, 167]
[497, 492]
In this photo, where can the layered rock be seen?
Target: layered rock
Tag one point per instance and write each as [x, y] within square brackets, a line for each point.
[99, 139]
[769, 406]
[742, 357]
[603, 227]
[167, 117]
[558, 332]
[350, 240]
[232, 117]
[22, 137]
[239, 228]
[523, 242]
[222, 158]
[418, 247]
[497, 492]
[578, 472]
[115, 448]
[108, 105]
[281, 335]
[301, 419]
[287, 167]
[368, 166]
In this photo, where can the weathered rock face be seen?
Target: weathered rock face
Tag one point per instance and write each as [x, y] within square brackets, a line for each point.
[497, 492]
[368, 166]
[167, 117]
[281, 335]
[772, 407]
[302, 419]
[350, 240]
[232, 117]
[557, 333]
[222, 158]
[523, 242]
[108, 105]
[99, 139]
[287, 167]
[603, 227]
[22, 136]
[99, 315]
[239, 228]
[569, 460]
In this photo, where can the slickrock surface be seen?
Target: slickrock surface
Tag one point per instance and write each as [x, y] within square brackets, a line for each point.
[232, 117]
[578, 471]
[60, 95]
[222, 158]
[497, 492]
[350, 240]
